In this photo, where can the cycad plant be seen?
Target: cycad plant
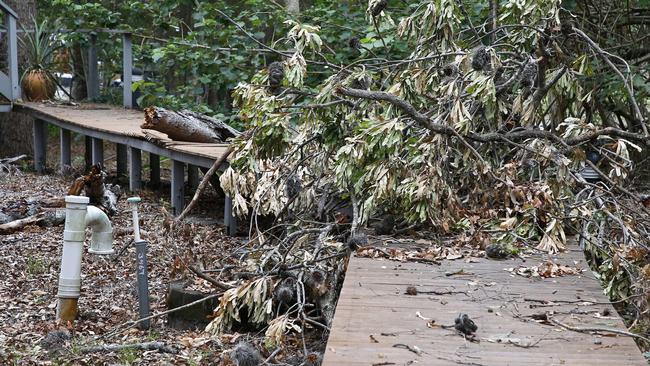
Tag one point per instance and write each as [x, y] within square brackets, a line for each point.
[37, 81]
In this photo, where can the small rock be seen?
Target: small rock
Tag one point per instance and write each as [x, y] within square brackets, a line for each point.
[245, 355]
[55, 340]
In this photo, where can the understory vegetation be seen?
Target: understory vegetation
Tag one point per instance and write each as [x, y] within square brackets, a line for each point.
[521, 123]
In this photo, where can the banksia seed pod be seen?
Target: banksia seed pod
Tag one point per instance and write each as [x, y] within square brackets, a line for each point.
[276, 74]
[529, 74]
[357, 240]
[481, 59]
[354, 43]
[285, 292]
[465, 325]
[377, 7]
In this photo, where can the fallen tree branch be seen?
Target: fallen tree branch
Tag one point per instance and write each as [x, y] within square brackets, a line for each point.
[600, 330]
[514, 135]
[132, 323]
[147, 346]
[207, 176]
[16, 225]
[213, 281]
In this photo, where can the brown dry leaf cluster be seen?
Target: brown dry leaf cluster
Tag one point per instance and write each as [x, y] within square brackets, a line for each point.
[548, 269]
[434, 253]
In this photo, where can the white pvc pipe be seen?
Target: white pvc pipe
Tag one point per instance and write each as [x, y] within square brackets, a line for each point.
[102, 239]
[73, 239]
[78, 216]
[133, 202]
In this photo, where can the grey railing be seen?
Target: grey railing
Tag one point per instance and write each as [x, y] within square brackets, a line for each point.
[10, 82]
[92, 77]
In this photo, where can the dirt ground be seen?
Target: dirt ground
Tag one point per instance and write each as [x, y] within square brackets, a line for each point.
[30, 261]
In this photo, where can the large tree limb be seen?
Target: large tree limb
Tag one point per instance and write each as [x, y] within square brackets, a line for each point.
[514, 135]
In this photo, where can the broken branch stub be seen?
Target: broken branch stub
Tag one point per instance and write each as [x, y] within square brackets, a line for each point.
[187, 126]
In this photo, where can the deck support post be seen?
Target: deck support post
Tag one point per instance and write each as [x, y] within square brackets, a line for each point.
[178, 185]
[88, 152]
[66, 155]
[122, 158]
[229, 220]
[135, 169]
[92, 82]
[40, 145]
[127, 70]
[192, 176]
[98, 151]
[154, 170]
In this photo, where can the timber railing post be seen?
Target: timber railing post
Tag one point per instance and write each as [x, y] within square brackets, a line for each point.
[92, 82]
[127, 70]
[12, 56]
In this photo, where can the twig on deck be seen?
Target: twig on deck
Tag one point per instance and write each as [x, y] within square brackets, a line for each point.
[600, 330]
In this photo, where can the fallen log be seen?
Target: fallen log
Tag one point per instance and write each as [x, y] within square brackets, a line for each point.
[16, 225]
[47, 218]
[102, 195]
[187, 125]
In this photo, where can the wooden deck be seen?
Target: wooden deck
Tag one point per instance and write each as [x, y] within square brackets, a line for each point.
[121, 126]
[100, 123]
[376, 321]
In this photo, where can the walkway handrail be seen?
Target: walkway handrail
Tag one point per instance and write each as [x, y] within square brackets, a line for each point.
[10, 84]
[92, 81]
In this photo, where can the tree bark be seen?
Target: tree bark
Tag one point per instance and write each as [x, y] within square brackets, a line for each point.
[16, 128]
[293, 6]
[187, 126]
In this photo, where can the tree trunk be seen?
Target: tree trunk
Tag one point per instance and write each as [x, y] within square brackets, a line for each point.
[16, 128]
[187, 126]
[78, 90]
[293, 6]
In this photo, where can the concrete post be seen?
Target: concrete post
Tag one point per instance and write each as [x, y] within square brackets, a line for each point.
[178, 187]
[40, 145]
[192, 176]
[154, 166]
[135, 169]
[98, 151]
[229, 219]
[88, 152]
[122, 158]
[66, 155]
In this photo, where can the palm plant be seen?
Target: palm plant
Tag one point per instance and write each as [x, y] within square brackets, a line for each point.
[37, 81]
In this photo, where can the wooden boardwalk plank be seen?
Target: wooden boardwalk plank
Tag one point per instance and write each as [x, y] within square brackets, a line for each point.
[374, 314]
[121, 126]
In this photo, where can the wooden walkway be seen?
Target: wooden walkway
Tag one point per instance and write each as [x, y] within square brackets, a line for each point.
[121, 126]
[103, 123]
[376, 322]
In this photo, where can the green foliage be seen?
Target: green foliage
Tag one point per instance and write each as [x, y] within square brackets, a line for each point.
[40, 45]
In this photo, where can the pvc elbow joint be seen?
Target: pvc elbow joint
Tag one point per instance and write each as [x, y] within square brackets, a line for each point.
[102, 239]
